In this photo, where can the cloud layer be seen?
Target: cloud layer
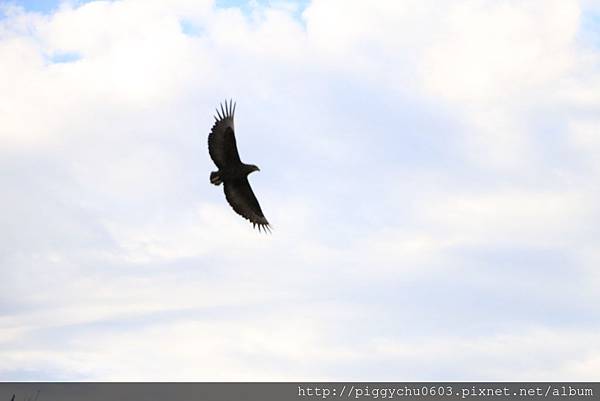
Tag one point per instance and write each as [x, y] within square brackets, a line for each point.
[431, 171]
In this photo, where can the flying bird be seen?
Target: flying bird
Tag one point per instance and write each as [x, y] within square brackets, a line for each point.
[233, 173]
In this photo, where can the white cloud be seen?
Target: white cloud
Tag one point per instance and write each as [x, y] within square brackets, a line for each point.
[397, 145]
[584, 137]
[516, 217]
[492, 51]
[530, 354]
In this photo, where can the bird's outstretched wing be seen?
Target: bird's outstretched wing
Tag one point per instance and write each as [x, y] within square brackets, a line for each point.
[241, 198]
[221, 140]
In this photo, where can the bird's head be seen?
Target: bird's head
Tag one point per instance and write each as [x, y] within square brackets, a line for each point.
[252, 168]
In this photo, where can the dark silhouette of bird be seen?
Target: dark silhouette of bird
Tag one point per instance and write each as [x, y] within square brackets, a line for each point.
[233, 173]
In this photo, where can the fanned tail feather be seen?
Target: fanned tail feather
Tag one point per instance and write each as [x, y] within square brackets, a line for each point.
[215, 178]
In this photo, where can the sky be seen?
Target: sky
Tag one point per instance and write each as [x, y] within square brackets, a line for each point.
[431, 171]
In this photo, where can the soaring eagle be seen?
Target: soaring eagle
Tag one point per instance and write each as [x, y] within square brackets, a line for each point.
[232, 172]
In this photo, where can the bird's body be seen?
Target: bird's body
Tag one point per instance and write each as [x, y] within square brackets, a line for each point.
[232, 171]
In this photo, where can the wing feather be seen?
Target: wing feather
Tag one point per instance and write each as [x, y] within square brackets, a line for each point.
[241, 198]
[221, 140]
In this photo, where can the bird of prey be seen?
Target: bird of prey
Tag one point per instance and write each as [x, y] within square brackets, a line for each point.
[233, 173]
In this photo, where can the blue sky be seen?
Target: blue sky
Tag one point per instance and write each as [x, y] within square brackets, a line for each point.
[48, 6]
[431, 172]
[43, 6]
